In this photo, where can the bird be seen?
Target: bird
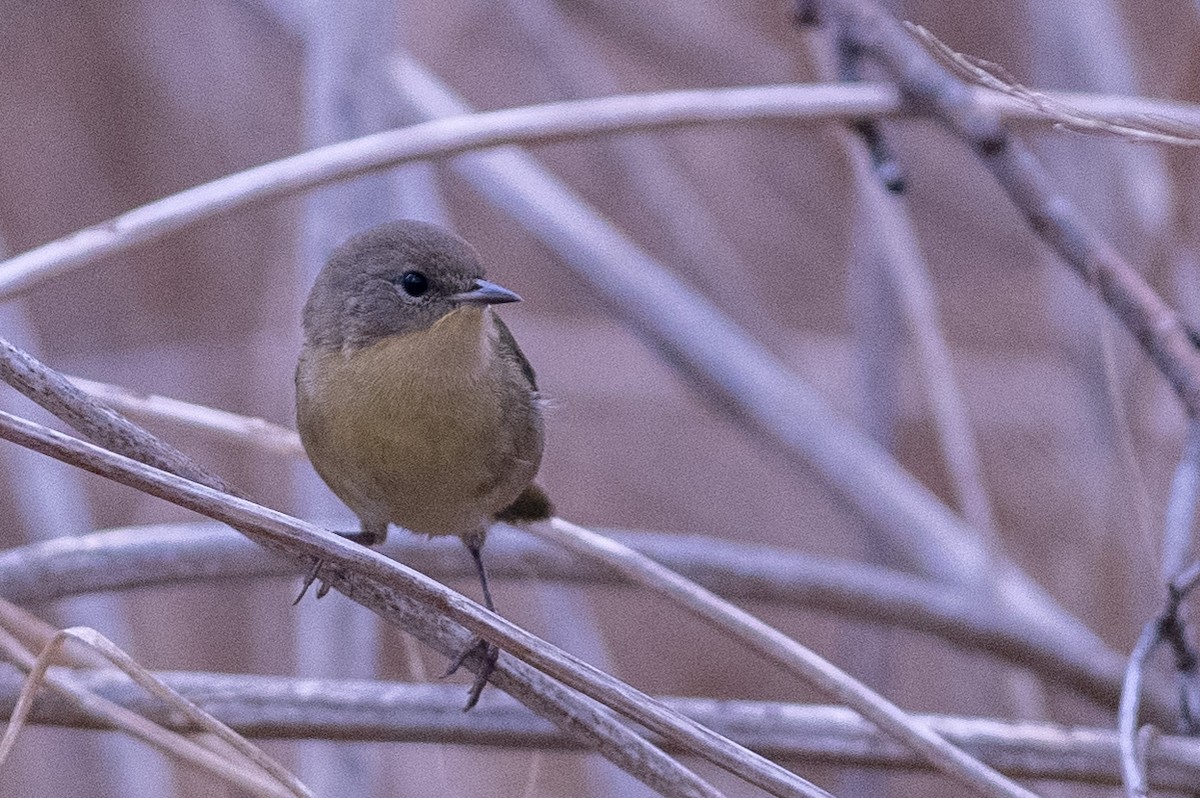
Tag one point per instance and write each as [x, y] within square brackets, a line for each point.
[414, 402]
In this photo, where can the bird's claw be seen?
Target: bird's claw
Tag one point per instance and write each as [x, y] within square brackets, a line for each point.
[490, 654]
[313, 574]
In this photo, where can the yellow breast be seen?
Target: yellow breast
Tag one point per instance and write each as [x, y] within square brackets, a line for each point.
[418, 429]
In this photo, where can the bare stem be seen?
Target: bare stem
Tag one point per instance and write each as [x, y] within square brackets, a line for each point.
[935, 91]
[527, 125]
[385, 711]
[1133, 770]
[1181, 506]
[793, 656]
[377, 582]
[414, 613]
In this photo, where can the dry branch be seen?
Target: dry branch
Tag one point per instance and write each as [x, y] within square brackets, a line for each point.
[242, 764]
[393, 591]
[229, 426]
[796, 658]
[1142, 128]
[160, 555]
[527, 125]
[1133, 770]
[909, 279]
[932, 90]
[1178, 535]
[379, 711]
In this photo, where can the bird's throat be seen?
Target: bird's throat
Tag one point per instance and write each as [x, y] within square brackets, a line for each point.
[452, 350]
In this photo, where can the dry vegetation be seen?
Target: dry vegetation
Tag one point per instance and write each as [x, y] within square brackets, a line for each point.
[889, 493]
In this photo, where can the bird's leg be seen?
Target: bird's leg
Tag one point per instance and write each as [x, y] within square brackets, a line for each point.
[369, 535]
[309, 578]
[480, 646]
[476, 550]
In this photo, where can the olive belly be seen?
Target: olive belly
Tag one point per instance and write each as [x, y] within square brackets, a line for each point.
[438, 454]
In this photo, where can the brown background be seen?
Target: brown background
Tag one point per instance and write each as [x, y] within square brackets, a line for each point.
[104, 106]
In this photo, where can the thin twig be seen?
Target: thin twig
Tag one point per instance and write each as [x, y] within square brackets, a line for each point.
[1133, 773]
[1139, 129]
[1169, 628]
[226, 425]
[527, 125]
[1162, 334]
[265, 778]
[793, 656]
[909, 278]
[1178, 540]
[1181, 506]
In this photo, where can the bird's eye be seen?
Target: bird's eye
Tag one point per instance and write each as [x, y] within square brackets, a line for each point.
[414, 283]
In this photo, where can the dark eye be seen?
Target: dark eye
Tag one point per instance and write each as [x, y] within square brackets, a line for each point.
[414, 283]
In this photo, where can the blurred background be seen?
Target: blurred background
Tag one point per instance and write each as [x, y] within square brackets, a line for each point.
[108, 105]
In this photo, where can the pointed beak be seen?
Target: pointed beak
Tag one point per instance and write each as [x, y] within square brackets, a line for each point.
[485, 293]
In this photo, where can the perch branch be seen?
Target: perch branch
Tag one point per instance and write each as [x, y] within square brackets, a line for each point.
[367, 576]
[545, 696]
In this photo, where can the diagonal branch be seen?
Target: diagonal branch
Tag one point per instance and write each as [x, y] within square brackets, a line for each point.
[403, 596]
[428, 622]
[931, 89]
[793, 656]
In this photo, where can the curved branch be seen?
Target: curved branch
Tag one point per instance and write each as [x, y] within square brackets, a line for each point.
[165, 554]
[526, 125]
[435, 139]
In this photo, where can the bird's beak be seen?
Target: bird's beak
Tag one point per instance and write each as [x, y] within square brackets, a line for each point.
[485, 293]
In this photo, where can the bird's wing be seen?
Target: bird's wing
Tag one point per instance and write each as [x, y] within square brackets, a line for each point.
[508, 349]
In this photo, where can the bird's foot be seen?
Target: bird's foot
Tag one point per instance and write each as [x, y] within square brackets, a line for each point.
[368, 536]
[489, 653]
[313, 574]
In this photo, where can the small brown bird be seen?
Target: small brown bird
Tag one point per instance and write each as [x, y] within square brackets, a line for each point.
[413, 400]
